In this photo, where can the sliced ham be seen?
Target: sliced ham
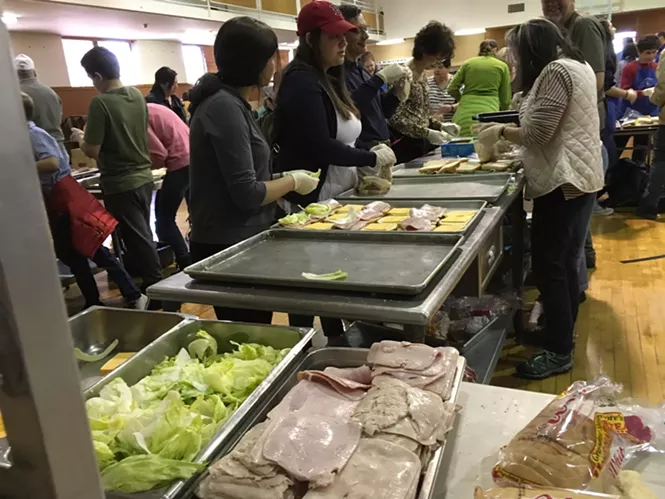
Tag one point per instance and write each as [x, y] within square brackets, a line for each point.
[362, 374]
[315, 398]
[360, 225]
[416, 224]
[345, 387]
[402, 354]
[374, 210]
[348, 221]
[429, 212]
[310, 447]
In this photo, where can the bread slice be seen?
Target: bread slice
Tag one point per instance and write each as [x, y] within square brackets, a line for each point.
[495, 166]
[451, 167]
[432, 166]
[468, 167]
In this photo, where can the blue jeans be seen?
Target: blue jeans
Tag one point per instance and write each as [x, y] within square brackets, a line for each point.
[175, 188]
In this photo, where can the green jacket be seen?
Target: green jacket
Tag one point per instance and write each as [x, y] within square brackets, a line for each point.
[482, 85]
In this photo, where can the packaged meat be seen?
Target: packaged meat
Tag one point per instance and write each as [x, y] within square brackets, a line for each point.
[431, 213]
[576, 442]
[378, 469]
[537, 493]
[416, 224]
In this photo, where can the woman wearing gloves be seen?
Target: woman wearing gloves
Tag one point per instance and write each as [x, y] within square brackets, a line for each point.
[415, 132]
[317, 122]
[232, 196]
[563, 168]
[486, 86]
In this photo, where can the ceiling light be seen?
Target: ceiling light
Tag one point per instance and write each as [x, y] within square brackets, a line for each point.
[472, 31]
[9, 19]
[391, 41]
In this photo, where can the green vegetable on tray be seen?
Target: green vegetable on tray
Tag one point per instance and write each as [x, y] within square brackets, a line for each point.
[318, 209]
[338, 275]
[294, 219]
[81, 355]
[149, 434]
[316, 174]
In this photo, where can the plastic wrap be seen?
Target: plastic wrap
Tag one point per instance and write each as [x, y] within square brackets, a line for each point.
[579, 441]
[524, 493]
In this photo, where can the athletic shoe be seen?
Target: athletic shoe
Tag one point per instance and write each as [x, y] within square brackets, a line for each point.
[545, 364]
[141, 304]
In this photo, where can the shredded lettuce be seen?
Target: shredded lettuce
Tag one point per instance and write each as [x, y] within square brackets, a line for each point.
[338, 275]
[149, 434]
[81, 355]
[317, 209]
[294, 219]
[316, 174]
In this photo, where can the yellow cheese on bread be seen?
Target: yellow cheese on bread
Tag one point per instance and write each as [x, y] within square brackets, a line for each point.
[347, 207]
[393, 219]
[3, 433]
[319, 226]
[458, 216]
[381, 227]
[399, 211]
[337, 216]
[444, 227]
[115, 362]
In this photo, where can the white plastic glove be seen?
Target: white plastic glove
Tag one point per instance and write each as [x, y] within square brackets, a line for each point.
[435, 137]
[390, 74]
[451, 129]
[77, 135]
[402, 89]
[648, 92]
[477, 128]
[489, 137]
[303, 182]
[631, 95]
[385, 160]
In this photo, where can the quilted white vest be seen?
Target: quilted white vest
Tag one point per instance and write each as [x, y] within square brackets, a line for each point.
[573, 155]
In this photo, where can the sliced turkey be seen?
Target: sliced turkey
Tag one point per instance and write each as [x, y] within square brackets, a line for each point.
[402, 354]
[345, 387]
[362, 374]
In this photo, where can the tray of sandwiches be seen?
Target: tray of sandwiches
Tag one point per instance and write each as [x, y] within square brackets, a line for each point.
[456, 166]
[397, 217]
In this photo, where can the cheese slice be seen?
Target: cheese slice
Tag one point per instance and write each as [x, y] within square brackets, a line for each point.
[381, 227]
[399, 211]
[458, 216]
[319, 226]
[394, 219]
[3, 433]
[347, 207]
[337, 216]
[115, 362]
[449, 227]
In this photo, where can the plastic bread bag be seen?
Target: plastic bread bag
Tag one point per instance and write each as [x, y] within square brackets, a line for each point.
[579, 441]
[537, 493]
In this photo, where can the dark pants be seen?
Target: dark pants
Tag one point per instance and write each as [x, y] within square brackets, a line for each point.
[559, 228]
[175, 188]
[331, 327]
[656, 184]
[639, 155]
[408, 148]
[80, 267]
[201, 251]
[132, 211]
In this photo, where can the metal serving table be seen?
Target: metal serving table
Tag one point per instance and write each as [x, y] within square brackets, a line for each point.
[414, 312]
[633, 131]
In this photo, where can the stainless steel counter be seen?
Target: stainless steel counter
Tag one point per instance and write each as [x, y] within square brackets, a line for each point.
[414, 312]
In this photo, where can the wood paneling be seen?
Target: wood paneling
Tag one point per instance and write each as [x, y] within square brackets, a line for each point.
[645, 22]
[371, 20]
[209, 56]
[498, 34]
[249, 4]
[75, 100]
[281, 6]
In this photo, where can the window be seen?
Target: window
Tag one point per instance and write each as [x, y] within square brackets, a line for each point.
[76, 49]
[619, 38]
[74, 52]
[195, 65]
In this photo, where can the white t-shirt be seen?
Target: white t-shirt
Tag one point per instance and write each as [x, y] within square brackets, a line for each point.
[342, 178]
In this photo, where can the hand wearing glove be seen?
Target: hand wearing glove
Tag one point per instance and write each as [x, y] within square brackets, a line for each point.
[451, 129]
[486, 140]
[303, 182]
[435, 137]
[275, 176]
[648, 92]
[385, 160]
[631, 95]
[402, 89]
[479, 127]
[391, 74]
[77, 135]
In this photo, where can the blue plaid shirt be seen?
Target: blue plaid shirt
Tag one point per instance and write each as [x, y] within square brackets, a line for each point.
[44, 146]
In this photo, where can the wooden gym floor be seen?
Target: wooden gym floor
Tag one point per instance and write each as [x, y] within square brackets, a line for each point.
[620, 330]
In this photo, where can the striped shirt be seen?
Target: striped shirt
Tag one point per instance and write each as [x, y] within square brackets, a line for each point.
[552, 97]
[438, 97]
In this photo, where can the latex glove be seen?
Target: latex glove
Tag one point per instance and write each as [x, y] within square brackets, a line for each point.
[303, 182]
[391, 74]
[275, 176]
[648, 92]
[479, 127]
[451, 129]
[436, 137]
[77, 135]
[402, 89]
[385, 160]
[631, 95]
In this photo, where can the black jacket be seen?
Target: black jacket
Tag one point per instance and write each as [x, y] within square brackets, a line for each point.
[175, 104]
[306, 130]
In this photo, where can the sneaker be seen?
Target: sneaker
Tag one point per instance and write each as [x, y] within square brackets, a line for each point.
[599, 211]
[140, 304]
[545, 364]
[338, 341]
[590, 261]
[646, 214]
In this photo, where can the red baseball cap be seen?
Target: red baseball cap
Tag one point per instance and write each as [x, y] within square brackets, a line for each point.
[322, 15]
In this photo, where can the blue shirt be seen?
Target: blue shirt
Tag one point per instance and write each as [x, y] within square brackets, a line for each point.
[44, 146]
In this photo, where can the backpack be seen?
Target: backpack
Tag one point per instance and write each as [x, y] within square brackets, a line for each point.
[626, 182]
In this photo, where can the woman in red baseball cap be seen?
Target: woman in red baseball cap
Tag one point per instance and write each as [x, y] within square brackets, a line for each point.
[317, 123]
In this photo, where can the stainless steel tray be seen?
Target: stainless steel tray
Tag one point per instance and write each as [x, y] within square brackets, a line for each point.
[340, 357]
[380, 263]
[170, 343]
[466, 204]
[425, 188]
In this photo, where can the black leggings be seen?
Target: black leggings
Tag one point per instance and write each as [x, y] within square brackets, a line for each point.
[201, 251]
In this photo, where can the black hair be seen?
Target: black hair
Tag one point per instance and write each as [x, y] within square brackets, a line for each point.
[28, 106]
[629, 52]
[661, 34]
[102, 61]
[242, 49]
[434, 39]
[165, 76]
[185, 95]
[487, 47]
[534, 45]
[649, 42]
[350, 11]
[628, 41]
[333, 81]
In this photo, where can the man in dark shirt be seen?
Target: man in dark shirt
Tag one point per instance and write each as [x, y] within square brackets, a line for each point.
[375, 107]
[163, 92]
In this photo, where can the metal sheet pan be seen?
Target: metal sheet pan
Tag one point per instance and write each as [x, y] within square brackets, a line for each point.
[342, 357]
[469, 204]
[374, 262]
[170, 343]
[488, 187]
